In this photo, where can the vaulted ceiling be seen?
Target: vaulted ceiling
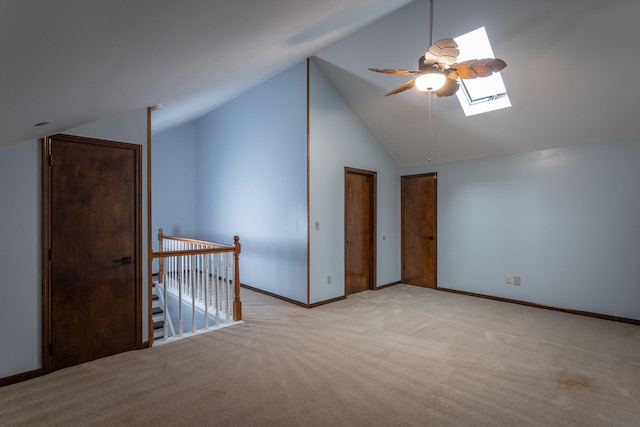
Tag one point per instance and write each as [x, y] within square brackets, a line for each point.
[570, 67]
[569, 76]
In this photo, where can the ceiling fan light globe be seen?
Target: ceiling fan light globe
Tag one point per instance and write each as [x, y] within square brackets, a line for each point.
[430, 82]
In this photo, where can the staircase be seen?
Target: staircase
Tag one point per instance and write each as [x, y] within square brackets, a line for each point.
[198, 287]
[157, 314]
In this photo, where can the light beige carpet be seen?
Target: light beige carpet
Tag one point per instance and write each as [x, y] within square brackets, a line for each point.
[401, 356]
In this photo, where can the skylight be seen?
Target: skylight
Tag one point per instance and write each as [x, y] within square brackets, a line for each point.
[482, 94]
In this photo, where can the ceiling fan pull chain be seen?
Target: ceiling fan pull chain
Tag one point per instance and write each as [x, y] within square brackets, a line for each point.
[432, 146]
[429, 142]
[435, 129]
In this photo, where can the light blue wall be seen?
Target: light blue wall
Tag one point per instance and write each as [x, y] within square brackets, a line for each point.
[252, 181]
[20, 216]
[174, 164]
[567, 220]
[20, 281]
[339, 138]
[252, 177]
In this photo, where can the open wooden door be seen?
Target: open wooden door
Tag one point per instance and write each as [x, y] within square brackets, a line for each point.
[360, 230]
[92, 227]
[419, 239]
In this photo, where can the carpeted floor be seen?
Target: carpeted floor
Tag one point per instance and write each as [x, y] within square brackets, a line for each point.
[401, 356]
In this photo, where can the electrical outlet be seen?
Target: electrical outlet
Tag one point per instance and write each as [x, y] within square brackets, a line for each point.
[328, 280]
[508, 279]
[317, 225]
[516, 280]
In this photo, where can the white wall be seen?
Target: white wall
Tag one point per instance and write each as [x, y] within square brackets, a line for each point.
[339, 138]
[20, 280]
[252, 181]
[174, 164]
[20, 216]
[567, 220]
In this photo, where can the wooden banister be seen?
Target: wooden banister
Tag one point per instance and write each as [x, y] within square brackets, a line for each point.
[167, 254]
[160, 261]
[194, 241]
[204, 248]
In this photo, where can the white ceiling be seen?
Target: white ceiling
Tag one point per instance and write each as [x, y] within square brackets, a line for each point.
[570, 73]
[74, 61]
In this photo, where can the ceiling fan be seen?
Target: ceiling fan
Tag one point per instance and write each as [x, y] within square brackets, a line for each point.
[438, 72]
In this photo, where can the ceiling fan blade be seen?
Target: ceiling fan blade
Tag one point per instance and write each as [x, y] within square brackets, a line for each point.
[394, 71]
[443, 52]
[478, 67]
[402, 88]
[449, 88]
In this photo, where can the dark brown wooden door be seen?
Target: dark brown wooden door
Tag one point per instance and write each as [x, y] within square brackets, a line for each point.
[360, 225]
[419, 240]
[94, 288]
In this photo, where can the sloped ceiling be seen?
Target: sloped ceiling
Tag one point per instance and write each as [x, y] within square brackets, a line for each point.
[72, 62]
[570, 74]
[570, 77]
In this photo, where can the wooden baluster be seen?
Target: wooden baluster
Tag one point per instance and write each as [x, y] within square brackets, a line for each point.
[169, 262]
[180, 280]
[205, 261]
[186, 272]
[201, 277]
[194, 279]
[173, 266]
[172, 261]
[228, 283]
[224, 281]
[161, 259]
[164, 307]
[217, 284]
[237, 305]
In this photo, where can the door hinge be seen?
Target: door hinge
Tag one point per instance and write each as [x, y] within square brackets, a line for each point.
[50, 348]
[49, 254]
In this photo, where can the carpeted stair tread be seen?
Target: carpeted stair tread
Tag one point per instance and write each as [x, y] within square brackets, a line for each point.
[158, 324]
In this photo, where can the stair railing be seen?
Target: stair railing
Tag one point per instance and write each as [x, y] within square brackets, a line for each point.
[204, 274]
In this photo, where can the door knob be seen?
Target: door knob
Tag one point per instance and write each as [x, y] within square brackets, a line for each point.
[124, 260]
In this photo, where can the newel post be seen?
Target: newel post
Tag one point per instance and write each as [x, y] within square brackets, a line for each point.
[237, 305]
[161, 259]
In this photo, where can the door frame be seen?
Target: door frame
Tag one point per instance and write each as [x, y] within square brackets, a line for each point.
[374, 222]
[435, 220]
[46, 187]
